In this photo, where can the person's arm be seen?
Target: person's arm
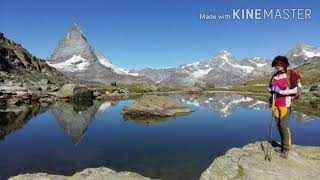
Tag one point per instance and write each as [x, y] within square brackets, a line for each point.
[289, 91]
[294, 83]
[270, 82]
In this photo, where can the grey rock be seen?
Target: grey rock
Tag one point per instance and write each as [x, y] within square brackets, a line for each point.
[96, 93]
[101, 173]
[15, 101]
[75, 91]
[314, 88]
[43, 82]
[249, 163]
[151, 105]
[120, 91]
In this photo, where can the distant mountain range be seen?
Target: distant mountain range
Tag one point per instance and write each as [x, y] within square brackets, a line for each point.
[223, 69]
[75, 57]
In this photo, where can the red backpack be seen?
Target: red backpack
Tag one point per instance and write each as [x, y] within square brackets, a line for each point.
[294, 80]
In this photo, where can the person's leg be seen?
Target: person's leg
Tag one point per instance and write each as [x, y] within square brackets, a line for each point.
[285, 131]
[276, 113]
[280, 130]
[282, 115]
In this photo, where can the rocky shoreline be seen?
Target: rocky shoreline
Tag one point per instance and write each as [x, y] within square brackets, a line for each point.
[247, 162]
[89, 173]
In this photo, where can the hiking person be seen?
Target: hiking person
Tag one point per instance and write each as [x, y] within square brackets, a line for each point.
[284, 88]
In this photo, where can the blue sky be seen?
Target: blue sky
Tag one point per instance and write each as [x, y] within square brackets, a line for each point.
[157, 33]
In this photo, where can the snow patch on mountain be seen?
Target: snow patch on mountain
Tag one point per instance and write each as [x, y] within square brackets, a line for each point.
[103, 61]
[258, 64]
[247, 69]
[311, 54]
[75, 63]
[192, 64]
[201, 72]
[224, 54]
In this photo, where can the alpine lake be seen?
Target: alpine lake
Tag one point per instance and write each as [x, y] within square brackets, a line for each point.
[64, 138]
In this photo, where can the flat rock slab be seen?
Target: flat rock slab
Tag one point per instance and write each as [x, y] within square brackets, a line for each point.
[90, 173]
[151, 105]
[249, 163]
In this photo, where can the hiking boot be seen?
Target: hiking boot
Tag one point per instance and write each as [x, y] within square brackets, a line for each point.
[278, 149]
[284, 154]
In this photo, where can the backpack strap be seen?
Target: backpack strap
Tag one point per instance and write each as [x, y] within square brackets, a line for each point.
[289, 78]
[270, 82]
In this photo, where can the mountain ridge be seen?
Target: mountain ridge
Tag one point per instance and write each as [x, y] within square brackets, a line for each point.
[223, 69]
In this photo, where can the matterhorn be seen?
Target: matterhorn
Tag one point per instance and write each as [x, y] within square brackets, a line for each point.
[75, 58]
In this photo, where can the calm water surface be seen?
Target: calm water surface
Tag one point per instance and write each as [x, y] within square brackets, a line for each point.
[64, 138]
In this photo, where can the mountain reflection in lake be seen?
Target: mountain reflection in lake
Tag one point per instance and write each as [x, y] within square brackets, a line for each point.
[64, 138]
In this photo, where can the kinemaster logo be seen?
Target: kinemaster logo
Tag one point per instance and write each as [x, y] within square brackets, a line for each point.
[260, 14]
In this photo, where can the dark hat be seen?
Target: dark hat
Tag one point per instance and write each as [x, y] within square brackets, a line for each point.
[281, 60]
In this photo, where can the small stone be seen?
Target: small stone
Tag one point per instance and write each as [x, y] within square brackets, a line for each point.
[96, 93]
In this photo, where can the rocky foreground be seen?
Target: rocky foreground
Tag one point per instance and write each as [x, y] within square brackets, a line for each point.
[249, 163]
[238, 163]
[90, 173]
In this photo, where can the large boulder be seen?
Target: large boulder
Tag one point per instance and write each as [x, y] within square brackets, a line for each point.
[90, 173]
[249, 163]
[75, 92]
[152, 105]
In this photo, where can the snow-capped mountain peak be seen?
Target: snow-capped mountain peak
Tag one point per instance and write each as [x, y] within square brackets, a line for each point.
[75, 57]
[304, 50]
[224, 54]
[75, 54]
[301, 54]
[75, 27]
